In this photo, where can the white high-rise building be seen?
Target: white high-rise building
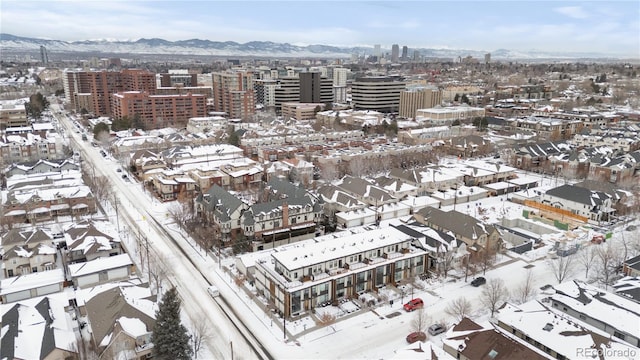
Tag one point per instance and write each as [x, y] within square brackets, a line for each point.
[340, 85]
[376, 51]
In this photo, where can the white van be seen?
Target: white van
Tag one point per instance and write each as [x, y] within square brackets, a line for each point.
[213, 291]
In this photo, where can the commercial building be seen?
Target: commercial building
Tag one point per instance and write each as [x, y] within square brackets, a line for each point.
[380, 93]
[12, 115]
[395, 53]
[447, 115]
[301, 111]
[178, 77]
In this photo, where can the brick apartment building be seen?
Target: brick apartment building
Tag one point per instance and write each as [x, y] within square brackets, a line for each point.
[158, 111]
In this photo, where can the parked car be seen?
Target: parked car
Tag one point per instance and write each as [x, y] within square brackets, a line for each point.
[416, 336]
[414, 304]
[478, 281]
[213, 291]
[436, 329]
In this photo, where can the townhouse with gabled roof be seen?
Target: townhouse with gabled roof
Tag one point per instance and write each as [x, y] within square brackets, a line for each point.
[593, 205]
[364, 191]
[429, 179]
[27, 251]
[290, 214]
[222, 209]
[478, 237]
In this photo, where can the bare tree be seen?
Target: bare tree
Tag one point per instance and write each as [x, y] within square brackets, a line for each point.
[458, 308]
[157, 271]
[200, 333]
[609, 258]
[525, 291]
[326, 320]
[445, 261]
[587, 257]
[487, 259]
[562, 267]
[420, 320]
[494, 294]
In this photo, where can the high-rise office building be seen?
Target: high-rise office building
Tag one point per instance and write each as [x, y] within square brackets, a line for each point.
[306, 87]
[44, 56]
[405, 53]
[395, 53]
[487, 58]
[377, 52]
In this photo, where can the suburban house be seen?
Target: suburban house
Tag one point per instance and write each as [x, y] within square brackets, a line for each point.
[27, 251]
[300, 170]
[592, 205]
[121, 322]
[85, 243]
[38, 328]
[170, 185]
[396, 187]
[478, 237]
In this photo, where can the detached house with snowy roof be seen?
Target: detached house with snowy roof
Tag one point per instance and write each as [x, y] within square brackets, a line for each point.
[592, 205]
[121, 321]
[85, 243]
[27, 251]
[222, 209]
[38, 329]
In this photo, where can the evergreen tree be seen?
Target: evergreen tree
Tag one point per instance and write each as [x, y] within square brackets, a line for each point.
[170, 338]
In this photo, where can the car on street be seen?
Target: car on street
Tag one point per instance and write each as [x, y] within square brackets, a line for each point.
[213, 291]
[416, 336]
[436, 329]
[414, 304]
[478, 281]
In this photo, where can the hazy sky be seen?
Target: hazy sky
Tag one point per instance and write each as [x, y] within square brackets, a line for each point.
[611, 27]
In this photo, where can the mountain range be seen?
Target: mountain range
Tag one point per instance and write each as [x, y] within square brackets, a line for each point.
[11, 43]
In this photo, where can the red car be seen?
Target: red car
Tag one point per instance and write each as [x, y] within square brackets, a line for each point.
[416, 303]
[415, 336]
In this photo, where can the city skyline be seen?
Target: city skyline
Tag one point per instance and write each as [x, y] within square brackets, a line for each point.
[588, 26]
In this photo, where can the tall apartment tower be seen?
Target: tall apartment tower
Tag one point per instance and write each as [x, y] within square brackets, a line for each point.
[487, 58]
[340, 85]
[44, 57]
[405, 53]
[395, 53]
[418, 97]
[233, 93]
[91, 90]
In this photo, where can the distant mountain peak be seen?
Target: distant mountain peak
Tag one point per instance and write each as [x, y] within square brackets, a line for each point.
[158, 46]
